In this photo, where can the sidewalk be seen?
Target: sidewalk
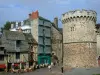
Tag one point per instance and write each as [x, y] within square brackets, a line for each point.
[56, 70]
[83, 71]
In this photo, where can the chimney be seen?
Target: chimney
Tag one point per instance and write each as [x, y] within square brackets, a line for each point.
[29, 16]
[19, 29]
[12, 26]
[16, 24]
[22, 23]
[56, 21]
[35, 15]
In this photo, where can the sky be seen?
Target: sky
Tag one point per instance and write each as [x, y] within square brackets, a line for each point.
[18, 10]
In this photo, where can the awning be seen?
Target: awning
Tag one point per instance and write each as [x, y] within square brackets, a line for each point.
[23, 62]
[2, 66]
[16, 64]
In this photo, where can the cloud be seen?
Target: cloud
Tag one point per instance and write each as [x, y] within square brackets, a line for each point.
[19, 9]
[61, 2]
[13, 13]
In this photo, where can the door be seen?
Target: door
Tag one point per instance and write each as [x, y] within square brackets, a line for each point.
[9, 66]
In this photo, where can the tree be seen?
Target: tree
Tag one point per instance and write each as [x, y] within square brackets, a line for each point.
[2, 29]
[7, 26]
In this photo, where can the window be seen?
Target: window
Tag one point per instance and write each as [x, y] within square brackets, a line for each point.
[1, 57]
[17, 55]
[72, 28]
[18, 43]
[43, 22]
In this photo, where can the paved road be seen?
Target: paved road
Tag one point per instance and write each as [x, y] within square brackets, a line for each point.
[83, 71]
[42, 71]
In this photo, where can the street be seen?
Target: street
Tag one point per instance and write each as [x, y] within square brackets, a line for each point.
[42, 71]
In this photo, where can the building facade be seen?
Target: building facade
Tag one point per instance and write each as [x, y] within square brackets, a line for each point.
[41, 31]
[18, 47]
[3, 56]
[98, 39]
[79, 39]
[56, 40]
[25, 26]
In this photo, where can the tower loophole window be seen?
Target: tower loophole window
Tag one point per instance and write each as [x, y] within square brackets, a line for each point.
[72, 28]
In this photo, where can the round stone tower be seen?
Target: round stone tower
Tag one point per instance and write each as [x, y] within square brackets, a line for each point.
[79, 39]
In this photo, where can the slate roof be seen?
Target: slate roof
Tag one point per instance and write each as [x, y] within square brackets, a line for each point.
[12, 35]
[59, 29]
[41, 18]
[9, 39]
[27, 22]
[29, 38]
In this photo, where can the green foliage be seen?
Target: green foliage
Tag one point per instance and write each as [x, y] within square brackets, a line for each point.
[7, 26]
[2, 29]
[22, 66]
[16, 67]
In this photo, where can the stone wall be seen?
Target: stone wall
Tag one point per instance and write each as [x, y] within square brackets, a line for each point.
[79, 30]
[12, 57]
[34, 29]
[79, 38]
[57, 43]
[98, 44]
[35, 50]
[80, 55]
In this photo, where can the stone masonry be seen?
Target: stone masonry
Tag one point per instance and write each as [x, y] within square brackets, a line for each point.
[79, 38]
[57, 43]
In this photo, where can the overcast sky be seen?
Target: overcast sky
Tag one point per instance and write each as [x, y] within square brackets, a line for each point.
[18, 10]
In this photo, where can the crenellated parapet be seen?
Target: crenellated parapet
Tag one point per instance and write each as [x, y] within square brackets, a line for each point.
[79, 15]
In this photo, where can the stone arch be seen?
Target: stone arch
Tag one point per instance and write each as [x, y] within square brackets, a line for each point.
[90, 18]
[87, 18]
[81, 17]
[64, 21]
[71, 19]
[84, 17]
[78, 18]
[68, 19]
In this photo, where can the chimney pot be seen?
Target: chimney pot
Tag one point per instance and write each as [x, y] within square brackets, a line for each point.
[56, 21]
[35, 15]
[30, 16]
[22, 23]
[12, 26]
[16, 24]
